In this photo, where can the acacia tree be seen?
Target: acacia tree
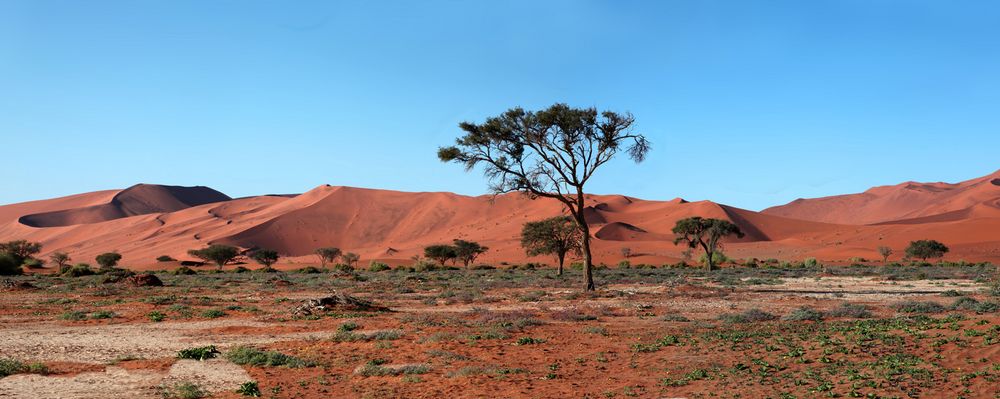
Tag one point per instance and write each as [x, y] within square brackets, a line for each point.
[441, 253]
[20, 250]
[328, 254]
[704, 232]
[553, 236]
[885, 252]
[216, 253]
[468, 251]
[923, 249]
[266, 257]
[350, 258]
[61, 260]
[108, 260]
[550, 153]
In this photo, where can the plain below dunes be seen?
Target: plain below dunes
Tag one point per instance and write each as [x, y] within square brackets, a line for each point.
[394, 226]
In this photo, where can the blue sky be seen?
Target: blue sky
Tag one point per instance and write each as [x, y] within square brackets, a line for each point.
[749, 103]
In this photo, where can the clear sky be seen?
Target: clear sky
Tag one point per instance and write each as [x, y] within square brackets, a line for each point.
[749, 103]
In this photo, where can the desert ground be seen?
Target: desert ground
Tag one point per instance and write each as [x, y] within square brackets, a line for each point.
[510, 332]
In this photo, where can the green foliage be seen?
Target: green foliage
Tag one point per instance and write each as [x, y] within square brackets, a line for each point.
[919, 307]
[850, 310]
[184, 271]
[11, 366]
[467, 251]
[79, 270]
[529, 341]
[328, 254]
[216, 253]
[557, 236]
[156, 316]
[804, 313]
[924, 249]
[441, 253]
[250, 356]
[249, 388]
[749, 316]
[213, 313]
[199, 353]
[718, 258]
[375, 266]
[350, 258]
[184, 390]
[20, 250]
[266, 257]
[108, 260]
[705, 233]
[9, 266]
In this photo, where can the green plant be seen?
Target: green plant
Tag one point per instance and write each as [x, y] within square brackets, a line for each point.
[156, 316]
[375, 266]
[184, 270]
[74, 315]
[919, 307]
[183, 390]
[749, 316]
[249, 388]
[216, 253]
[78, 270]
[108, 260]
[850, 310]
[199, 353]
[213, 313]
[250, 356]
[102, 314]
[803, 314]
[529, 341]
[9, 266]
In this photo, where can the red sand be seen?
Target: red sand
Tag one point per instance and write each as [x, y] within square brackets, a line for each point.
[147, 221]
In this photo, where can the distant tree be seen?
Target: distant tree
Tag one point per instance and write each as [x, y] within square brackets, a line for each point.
[108, 260]
[550, 153]
[350, 258]
[885, 252]
[165, 258]
[467, 251]
[706, 233]
[216, 253]
[9, 266]
[328, 255]
[553, 236]
[20, 250]
[626, 252]
[266, 257]
[441, 253]
[61, 260]
[924, 249]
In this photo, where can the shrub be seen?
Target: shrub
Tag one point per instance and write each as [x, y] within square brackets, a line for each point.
[810, 263]
[199, 353]
[156, 316]
[309, 270]
[803, 314]
[74, 315]
[923, 249]
[165, 258]
[850, 310]
[102, 314]
[213, 313]
[9, 266]
[919, 307]
[33, 263]
[377, 266]
[183, 390]
[987, 307]
[529, 341]
[749, 316]
[250, 356]
[376, 368]
[249, 388]
[79, 270]
[240, 269]
[184, 270]
[952, 293]
[108, 260]
[11, 367]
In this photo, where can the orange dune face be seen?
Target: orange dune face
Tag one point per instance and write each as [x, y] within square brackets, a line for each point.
[147, 221]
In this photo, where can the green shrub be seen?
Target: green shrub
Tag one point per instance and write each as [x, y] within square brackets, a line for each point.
[250, 356]
[309, 270]
[952, 293]
[183, 390]
[804, 313]
[78, 270]
[850, 310]
[213, 313]
[249, 388]
[377, 266]
[749, 316]
[240, 269]
[199, 353]
[102, 314]
[376, 368]
[156, 316]
[11, 367]
[9, 266]
[74, 315]
[184, 270]
[529, 341]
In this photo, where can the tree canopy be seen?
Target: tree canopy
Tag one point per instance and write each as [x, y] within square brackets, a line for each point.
[705, 233]
[550, 153]
[266, 257]
[328, 255]
[350, 258]
[61, 260]
[925, 249]
[108, 260]
[441, 253]
[20, 250]
[553, 236]
[216, 253]
[467, 251]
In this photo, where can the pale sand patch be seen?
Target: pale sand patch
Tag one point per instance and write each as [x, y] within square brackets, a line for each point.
[215, 375]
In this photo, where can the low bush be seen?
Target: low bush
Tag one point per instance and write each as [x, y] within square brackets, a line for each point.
[377, 266]
[249, 388]
[850, 310]
[199, 353]
[9, 366]
[804, 313]
[749, 316]
[919, 307]
[79, 270]
[309, 270]
[9, 266]
[183, 390]
[250, 356]
[184, 270]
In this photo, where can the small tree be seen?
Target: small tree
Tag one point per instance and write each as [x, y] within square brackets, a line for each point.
[706, 233]
[328, 255]
[924, 249]
[554, 236]
[441, 253]
[108, 260]
[467, 251]
[885, 252]
[350, 258]
[266, 257]
[216, 253]
[61, 260]
[550, 153]
[626, 252]
[20, 250]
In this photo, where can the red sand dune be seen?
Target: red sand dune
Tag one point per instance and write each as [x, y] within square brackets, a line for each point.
[146, 221]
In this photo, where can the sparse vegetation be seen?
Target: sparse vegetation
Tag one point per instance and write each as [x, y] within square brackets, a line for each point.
[199, 353]
[705, 233]
[108, 260]
[554, 236]
[250, 356]
[328, 255]
[926, 249]
[265, 257]
[216, 253]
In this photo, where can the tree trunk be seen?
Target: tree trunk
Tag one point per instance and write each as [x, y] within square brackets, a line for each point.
[588, 267]
[562, 257]
[709, 261]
